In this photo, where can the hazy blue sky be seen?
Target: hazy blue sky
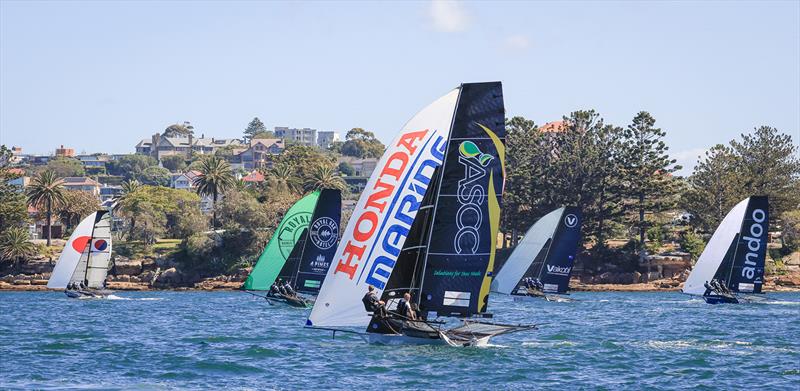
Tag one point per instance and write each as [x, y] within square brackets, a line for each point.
[99, 76]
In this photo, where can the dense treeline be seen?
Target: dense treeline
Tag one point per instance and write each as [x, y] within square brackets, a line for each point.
[623, 179]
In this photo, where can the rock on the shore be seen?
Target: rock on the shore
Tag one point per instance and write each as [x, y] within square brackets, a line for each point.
[126, 286]
[170, 276]
[128, 267]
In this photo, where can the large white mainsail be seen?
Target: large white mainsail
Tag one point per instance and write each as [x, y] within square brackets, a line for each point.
[531, 244]
[72, 253]
[710, 260]
[376, 231]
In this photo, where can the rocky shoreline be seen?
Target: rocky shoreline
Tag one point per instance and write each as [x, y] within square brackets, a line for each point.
[151, 274]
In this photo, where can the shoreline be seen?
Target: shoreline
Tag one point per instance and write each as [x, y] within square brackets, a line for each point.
[656, 286]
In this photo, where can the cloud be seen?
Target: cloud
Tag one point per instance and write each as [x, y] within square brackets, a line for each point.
[516, 42]
[687, 159]
[448, 16]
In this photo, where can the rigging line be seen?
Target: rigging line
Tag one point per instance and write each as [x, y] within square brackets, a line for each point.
[442, 169]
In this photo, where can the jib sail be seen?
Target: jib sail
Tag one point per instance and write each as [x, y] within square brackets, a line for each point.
[381, 220]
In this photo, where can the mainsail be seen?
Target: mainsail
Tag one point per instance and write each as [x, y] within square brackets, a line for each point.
[736, 253]
[282, 243]
[546, 253]
[86, 256]
[383, 216]
[311, 257]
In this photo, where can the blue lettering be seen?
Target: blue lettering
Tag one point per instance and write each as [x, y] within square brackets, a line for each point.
[397, 232]
[382, 267]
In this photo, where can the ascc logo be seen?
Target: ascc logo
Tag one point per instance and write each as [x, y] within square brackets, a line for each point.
[471, 195]
[571, 220]
[324, 232]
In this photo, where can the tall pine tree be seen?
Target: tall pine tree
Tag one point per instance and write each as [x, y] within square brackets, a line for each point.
[714, 187]
[648, 173]
[253, 128]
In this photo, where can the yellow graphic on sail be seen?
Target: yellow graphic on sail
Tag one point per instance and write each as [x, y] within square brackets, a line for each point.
[494, 218]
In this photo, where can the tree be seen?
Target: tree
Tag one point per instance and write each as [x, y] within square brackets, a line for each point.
[281, 180]
[214, 179]
[324, 177]
[125, 201]
[65, 167]
[240, 210]
[253, 128]
[13, 211]
[15, 245]
[791, 230]
[769, 165]
[155, 211]
[651, 186]
[155, 176]
[346, 169]
[77, 204]
[301, 159]
[174, 163]
[179, 130]
[46, 190]
[130, 166]
[362, 144]
[713, 187]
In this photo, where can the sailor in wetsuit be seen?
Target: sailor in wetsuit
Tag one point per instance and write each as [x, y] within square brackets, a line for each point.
[288, 288]
[404, 308]
[372, 304]
[273, 290]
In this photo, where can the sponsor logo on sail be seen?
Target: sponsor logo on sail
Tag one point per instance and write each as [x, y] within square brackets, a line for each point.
[319, 264]
[378, 230]
[291, 230]
[753, 236]
[558, 270]
[571, 220]
[324, 232]
[471, 195]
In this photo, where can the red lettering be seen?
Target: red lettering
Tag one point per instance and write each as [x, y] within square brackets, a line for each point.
[396, 172]
[370, 217]
[373, 198]
[407, 140]
[347, 266]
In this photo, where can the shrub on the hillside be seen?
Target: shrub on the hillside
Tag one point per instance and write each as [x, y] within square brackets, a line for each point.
[692, 243]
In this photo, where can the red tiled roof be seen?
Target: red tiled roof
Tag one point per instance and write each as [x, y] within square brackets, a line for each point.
[554, 127]
[254, 176]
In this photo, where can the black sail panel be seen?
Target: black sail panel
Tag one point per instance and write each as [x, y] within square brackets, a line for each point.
[747, 272]
[289, 268]
[463, 237]
[557, 268]
[319, 246]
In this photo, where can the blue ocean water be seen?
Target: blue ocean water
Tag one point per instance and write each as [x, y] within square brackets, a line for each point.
[195, 340]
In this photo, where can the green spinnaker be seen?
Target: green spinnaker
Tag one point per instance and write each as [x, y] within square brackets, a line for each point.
[271, 261]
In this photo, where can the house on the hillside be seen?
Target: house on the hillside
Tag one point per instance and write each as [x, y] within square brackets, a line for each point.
[254, 177]
[80, 183]
[260, 152]
[21, 181]
[159, 146]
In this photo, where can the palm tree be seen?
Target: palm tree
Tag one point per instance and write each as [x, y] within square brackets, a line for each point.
[324, 177]
[46, 190]
[14, 245]
[282, 176]
[215, 178]
[124, 201]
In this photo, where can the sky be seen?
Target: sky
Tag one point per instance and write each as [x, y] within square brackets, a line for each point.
[100, 76]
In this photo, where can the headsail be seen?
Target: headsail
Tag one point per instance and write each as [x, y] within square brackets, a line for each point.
[281, 244]
[383, 215]
[736, 252]
[80, 249]
[547, 253]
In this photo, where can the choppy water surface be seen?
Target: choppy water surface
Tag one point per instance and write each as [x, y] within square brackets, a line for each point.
[196, 340]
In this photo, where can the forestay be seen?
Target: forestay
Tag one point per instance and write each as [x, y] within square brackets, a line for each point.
[383, 215]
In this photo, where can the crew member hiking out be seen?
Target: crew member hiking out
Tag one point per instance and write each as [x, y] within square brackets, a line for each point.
[372, 304]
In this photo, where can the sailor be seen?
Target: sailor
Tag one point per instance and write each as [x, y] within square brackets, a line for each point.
[404, 308]
[288, 288]
[372, 304]
[82, 286]
[709, 288]
[281, 288]
[273, 290]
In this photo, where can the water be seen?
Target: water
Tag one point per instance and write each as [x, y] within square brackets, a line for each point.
[167, 340]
